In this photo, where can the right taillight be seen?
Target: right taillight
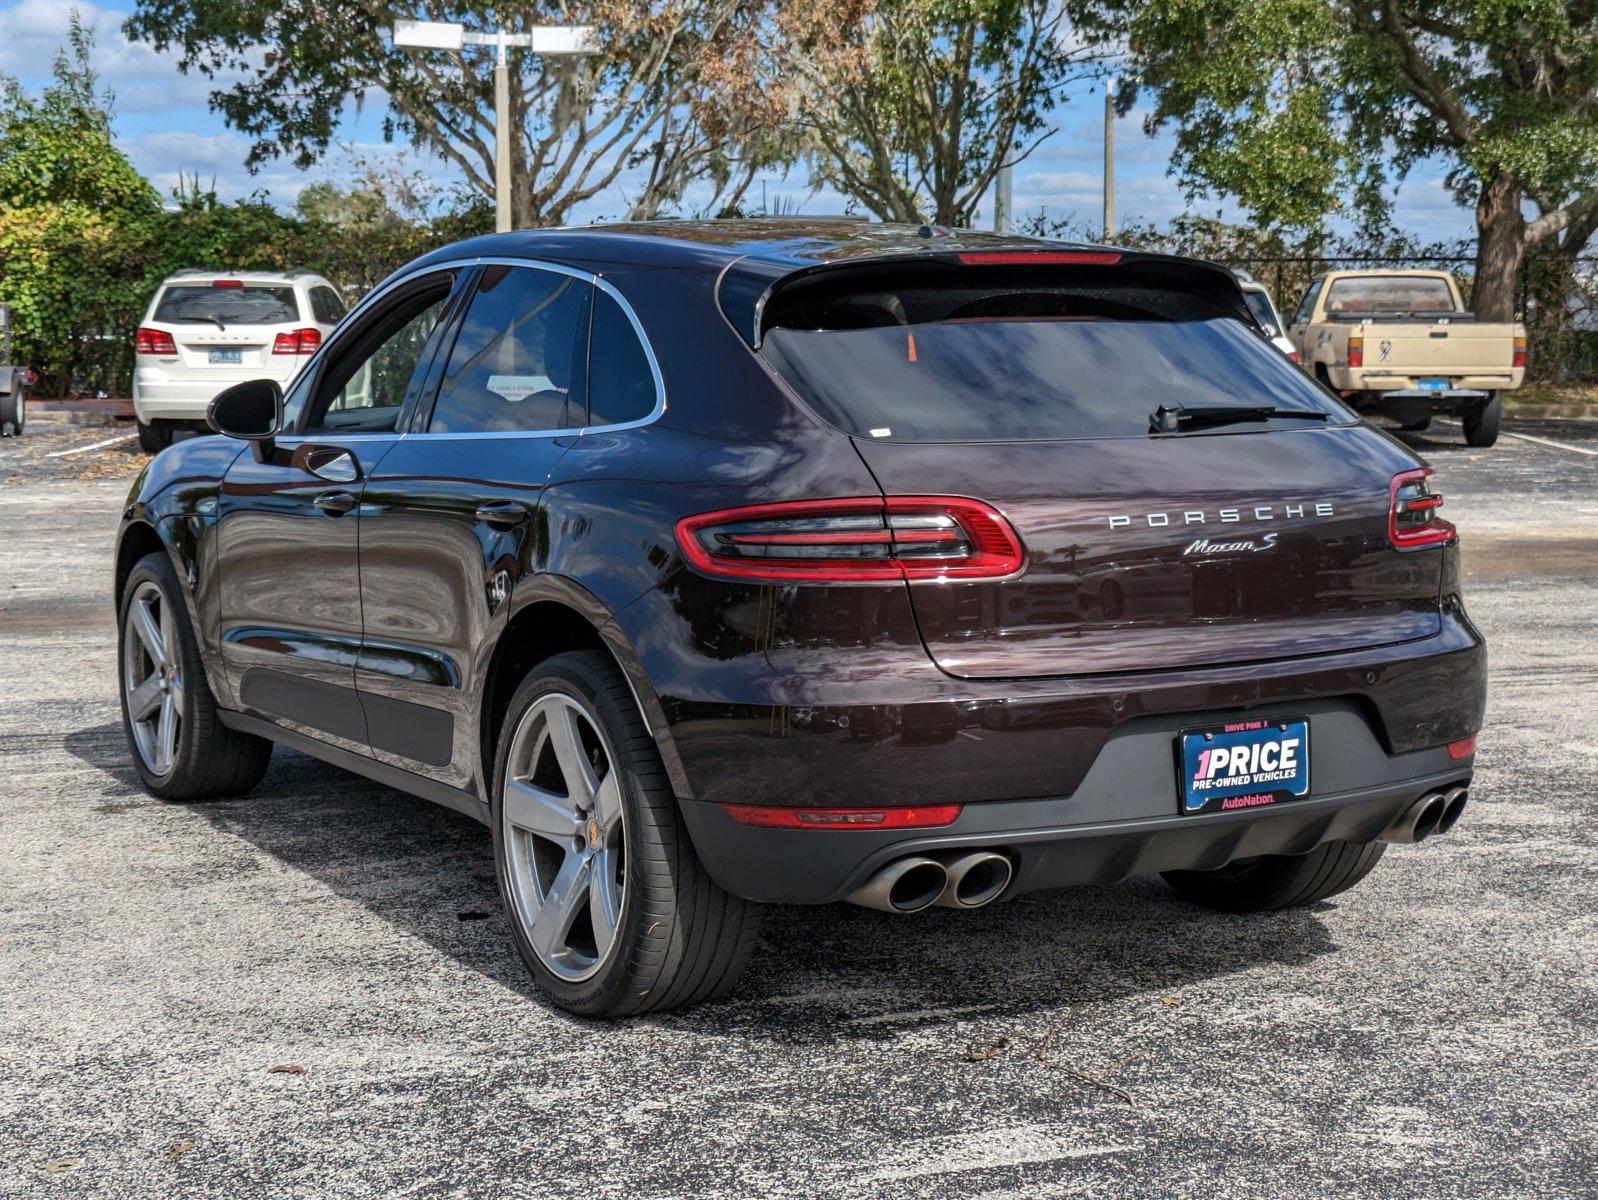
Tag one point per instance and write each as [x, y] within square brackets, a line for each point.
[300, 341]
[153, 341]
[865, 540]
[1520, 352]
[1412, 520]
[1356, 349]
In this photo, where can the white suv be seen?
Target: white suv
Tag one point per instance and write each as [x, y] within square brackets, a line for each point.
[207, 330]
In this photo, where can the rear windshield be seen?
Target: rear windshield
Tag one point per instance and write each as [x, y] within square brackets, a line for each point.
[204, 303]
[1260, 305]
[1017, 378]
[1389, 293]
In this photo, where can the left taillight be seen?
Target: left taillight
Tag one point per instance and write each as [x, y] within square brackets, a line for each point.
[153, 341]
[299, 341]
[864, 540]
[1412, 519]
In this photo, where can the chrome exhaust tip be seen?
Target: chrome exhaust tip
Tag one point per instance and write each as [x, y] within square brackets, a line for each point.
[976, 879]
[1453, 808]
[906, 885]
[1417, 822]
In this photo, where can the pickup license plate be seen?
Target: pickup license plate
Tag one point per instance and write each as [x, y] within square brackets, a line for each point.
[229, 357]
[1434, 385]
[1246, 764]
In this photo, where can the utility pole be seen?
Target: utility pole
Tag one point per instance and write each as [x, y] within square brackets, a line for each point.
[541, 39]
[1001, 200]
[1109, 158]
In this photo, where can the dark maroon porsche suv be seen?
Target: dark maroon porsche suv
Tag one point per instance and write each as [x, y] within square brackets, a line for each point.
[721, 564]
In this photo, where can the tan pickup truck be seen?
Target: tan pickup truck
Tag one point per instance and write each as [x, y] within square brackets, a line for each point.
[1402, 343]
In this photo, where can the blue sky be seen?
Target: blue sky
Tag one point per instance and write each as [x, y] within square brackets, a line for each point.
[164, 125]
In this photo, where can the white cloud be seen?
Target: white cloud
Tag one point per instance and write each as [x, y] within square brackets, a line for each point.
[32, 32]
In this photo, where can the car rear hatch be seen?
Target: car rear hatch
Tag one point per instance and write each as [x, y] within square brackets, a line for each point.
[228, 330]
[1213, 540]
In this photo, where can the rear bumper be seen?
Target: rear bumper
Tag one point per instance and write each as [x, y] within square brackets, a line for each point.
[1049, 851]
[155, 399]
[1346, 379]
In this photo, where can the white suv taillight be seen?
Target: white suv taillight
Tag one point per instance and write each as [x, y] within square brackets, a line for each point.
[865, 540]
[299, 341]
[153, 341]
[1412, 520]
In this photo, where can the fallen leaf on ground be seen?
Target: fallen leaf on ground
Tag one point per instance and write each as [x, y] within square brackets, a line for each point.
[179, 1149]
[1170, 1001]
[286, 1069]
[984, 1053]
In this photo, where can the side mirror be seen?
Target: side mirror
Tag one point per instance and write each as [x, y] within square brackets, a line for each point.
[252, 411]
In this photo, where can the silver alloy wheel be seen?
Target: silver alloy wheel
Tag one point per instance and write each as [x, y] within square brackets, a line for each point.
[152, 678]
[564, 829]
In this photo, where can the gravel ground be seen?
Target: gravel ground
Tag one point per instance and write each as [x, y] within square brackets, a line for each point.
[310, 991]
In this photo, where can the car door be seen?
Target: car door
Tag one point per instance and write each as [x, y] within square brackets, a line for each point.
[288, 520]
[450, 516]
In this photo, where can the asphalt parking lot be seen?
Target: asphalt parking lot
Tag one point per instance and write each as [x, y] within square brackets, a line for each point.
[310, 991]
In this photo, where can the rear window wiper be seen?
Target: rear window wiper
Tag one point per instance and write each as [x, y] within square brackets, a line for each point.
[1179, 416]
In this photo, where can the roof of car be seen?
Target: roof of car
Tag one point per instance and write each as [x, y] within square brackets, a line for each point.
[196, 275]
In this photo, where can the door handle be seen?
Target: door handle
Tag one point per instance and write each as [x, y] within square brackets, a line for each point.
[501, 514]
[336, 504]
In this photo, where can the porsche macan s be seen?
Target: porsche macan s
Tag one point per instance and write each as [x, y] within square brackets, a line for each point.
[720, 564]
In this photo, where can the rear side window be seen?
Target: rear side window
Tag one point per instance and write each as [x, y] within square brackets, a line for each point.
[1363, 295]
[226, 304]
[515, 364]
[621, 387]
[326, 307]
[1307, 305]
[1260, 305]
[1018, 363]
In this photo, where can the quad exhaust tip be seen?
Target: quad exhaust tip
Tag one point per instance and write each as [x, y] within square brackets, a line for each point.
[1435, 812]
[917, 882]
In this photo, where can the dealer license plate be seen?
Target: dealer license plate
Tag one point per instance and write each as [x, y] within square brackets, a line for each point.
[223, 357]
[1246, 764]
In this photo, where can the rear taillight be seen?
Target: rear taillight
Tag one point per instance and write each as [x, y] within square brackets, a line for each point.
[1463, 748]
[300, 341]
[1356, 349]
[1412, 520]
[771, 816]
[853, 541]
[1520, 352]
[153, 341]
[1292, 356]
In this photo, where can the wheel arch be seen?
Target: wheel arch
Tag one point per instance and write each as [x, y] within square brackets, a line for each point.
[554, 615]
[137, 540]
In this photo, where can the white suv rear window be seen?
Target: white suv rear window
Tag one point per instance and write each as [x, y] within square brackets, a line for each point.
[209, 304]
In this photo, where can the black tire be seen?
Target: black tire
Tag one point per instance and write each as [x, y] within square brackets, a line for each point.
[1481, 422]
[212, 761]
[1420, 426]
[154, 437]
[680, 939]
[1277, 881]
[13, 411]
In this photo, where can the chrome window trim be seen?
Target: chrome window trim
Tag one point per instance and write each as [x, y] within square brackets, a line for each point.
[597, 281]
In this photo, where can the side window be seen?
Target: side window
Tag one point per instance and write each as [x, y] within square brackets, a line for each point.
[363, 386]
[1307, 304]
[515, 364]
[326, 307]
[621, 387]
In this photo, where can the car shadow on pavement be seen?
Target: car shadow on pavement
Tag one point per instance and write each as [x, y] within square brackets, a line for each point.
[821, 974]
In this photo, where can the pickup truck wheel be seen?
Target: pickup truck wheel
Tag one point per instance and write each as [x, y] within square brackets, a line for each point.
[1481, 422]
[180, 748]
[608, 904]
[13, 412]
[154, 436]
[1276, 881]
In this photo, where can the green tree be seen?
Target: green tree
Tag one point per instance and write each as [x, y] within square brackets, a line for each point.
[71, 211]
[910, 107]
[1294, 105]
[664, 106]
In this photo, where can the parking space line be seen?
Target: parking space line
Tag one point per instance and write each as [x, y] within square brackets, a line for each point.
[1526, 437]
[127, 437]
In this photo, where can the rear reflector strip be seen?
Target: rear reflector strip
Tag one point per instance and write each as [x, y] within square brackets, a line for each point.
[1412, 520]
[864, 540]
[1463, 748]
[770, 816]
[1034, 258]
